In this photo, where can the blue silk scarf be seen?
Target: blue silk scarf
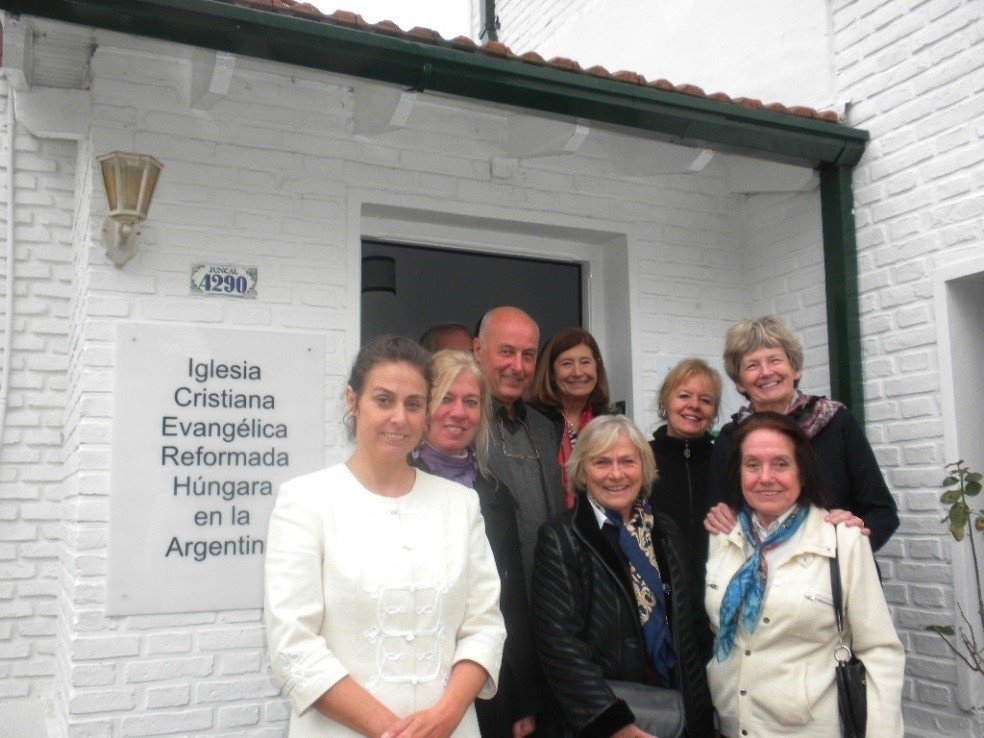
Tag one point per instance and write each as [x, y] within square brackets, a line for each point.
[635, 539]
[742, 601]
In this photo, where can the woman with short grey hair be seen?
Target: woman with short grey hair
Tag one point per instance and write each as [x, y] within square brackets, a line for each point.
[765, 361]
[611, 595]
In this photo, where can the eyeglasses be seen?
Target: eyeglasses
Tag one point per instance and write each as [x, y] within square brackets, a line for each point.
[513, 453]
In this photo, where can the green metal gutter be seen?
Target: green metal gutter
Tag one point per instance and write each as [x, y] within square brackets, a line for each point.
[475, 75]
[831, 147]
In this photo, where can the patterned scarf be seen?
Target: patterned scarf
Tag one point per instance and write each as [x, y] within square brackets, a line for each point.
[568, 437]
[743, 597]
[635, 539]
[460, 469]
[811, 412]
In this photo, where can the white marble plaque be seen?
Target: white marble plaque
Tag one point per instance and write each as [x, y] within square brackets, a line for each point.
[207, 422]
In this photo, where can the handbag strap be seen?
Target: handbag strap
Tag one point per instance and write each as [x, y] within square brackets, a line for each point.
[843, 652]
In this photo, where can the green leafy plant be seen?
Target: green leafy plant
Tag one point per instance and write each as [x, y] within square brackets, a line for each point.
[960, 485]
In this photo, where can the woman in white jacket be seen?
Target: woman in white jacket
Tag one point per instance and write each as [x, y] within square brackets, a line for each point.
[381, 593]
[768, 595]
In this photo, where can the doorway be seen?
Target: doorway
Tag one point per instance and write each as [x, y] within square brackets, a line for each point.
[959, 303]
[592, 255]
[444, 285]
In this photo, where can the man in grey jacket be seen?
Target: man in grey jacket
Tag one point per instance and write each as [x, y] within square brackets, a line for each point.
[523, 443]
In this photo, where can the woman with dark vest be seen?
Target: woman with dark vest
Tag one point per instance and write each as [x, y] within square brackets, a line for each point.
[688, 402]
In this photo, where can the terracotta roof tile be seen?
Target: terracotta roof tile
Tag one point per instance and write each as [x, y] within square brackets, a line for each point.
[693, 90]
[426, 35]
[418, 34]
[345, 18]
[624, 75]
[306, 9]
[531, 57]
[802, 111]
[495, 48]
[562, 62]
[463, 43]
[387, 27]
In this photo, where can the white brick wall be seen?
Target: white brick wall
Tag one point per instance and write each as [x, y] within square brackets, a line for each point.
[914, 75]
[785, 265]
[270, 176]
[525, 25]
[31, 472]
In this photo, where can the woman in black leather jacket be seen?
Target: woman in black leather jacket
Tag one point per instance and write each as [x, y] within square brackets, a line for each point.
[611, 592]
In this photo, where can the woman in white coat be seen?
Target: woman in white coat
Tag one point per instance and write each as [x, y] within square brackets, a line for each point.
[768, 596]
[381, 592]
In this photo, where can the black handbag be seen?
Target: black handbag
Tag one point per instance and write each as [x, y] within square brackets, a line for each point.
[849, 674]
[657, 711]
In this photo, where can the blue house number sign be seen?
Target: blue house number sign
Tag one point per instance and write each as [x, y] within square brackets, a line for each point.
[226, 280]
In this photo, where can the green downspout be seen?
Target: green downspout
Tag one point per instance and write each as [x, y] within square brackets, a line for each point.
[490, 31]
[840, 257]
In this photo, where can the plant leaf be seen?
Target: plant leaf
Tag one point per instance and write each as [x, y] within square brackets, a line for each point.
[950, 497]
[945, 630]
[957, 531]
[948, 481]
[958, 514]
[972, 489]
[975, 477]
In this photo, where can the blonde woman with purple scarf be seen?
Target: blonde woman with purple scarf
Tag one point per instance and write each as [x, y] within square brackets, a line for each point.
[456, 447]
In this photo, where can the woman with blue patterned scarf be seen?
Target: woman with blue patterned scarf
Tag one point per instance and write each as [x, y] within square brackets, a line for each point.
[768, 596]
[612, 596]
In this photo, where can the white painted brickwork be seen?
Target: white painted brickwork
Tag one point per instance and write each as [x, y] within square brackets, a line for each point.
[270, 176]
[913, 74]
[526, 26]
[31, 472]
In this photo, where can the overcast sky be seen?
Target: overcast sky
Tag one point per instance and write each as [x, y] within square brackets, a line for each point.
[450, 18]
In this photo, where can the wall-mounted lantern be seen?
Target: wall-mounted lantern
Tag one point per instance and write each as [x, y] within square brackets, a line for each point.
[130, 180]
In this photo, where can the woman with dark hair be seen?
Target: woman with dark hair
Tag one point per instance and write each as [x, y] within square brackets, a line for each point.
[769, 598]
[611, 594]
[381, 593]
[570, 386]
[765, 361]
[456, 447]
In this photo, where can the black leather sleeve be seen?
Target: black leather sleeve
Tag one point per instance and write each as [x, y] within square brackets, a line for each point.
[690, 628]
[560, 606]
